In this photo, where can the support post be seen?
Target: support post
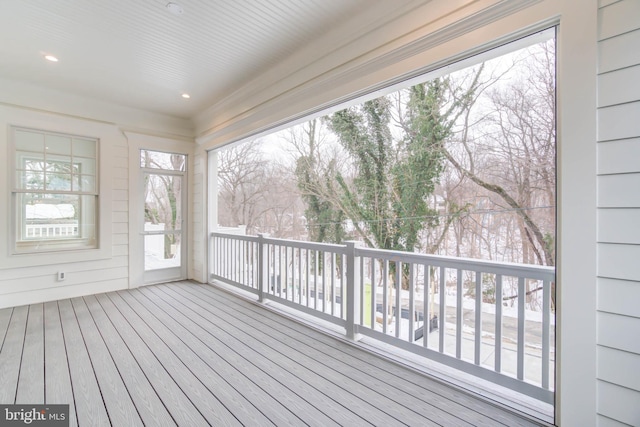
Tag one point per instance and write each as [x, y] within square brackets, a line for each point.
[263, 266]
[353, 290]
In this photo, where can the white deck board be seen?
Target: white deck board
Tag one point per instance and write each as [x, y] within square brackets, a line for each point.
[56, 366]
[149, 406]
[418, 390]
[11, 354]
[256, 370]
[194, 355]
[399, 402]
[118, 402]
[88, 401]
[31, 381]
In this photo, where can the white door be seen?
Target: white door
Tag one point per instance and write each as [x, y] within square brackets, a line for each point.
[164, 214]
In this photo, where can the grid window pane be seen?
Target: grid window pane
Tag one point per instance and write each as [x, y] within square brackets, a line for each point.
[160, 160]
[58, 144]
[29, 141]
[84, 147]
[55, 192]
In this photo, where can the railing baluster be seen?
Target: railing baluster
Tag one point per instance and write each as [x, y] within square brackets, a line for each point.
[323, 274]
[521, 322]
[307, 276]
[385, 305]
[459, 314]
[286, 273]
[299, 280]
[412, 303]
[315, 280]
[546, 328]
[478, 319]
[374, 291]
[343, 285]
[426, 316]
[498, 343]
[363, 293]
[443, 303]
[398, 287]
[333, 283]
[234, 261]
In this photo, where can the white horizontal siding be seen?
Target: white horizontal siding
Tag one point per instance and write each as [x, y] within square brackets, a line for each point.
[619, 226]
[618, 265]
[603, 421]
[73, 278]
[618, 261]
[603, 3]
[619, 296]
[52, 293]
[621, 156]
[619, 52]
[618, 18]
[619, 87]
[619, 403]
[48, 272]
[619, 367]
[619, 122]
[619, 191]
[619, 332]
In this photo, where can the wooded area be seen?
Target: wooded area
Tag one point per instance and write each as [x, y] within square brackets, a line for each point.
[461, 165]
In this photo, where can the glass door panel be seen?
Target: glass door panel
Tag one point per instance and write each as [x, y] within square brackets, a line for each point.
[163, 226]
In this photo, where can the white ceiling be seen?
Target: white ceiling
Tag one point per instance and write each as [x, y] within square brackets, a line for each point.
[135, 53]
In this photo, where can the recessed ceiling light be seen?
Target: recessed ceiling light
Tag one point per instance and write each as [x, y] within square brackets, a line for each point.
[175, 8]
[186, 96]
[51, 58]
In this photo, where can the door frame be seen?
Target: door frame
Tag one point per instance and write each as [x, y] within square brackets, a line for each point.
[132, 201]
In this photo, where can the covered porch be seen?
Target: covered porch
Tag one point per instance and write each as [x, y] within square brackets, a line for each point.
[190, 354]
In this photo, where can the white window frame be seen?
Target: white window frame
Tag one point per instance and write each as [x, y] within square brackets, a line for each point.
[20, 243]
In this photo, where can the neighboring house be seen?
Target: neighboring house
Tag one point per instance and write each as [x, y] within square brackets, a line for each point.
[598, 275]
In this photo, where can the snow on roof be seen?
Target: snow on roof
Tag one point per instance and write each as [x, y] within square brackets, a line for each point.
[46, 211]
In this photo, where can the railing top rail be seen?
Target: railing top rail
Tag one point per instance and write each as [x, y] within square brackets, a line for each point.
[236, 236]
[496, 267]
[528, 271]
[315, 246]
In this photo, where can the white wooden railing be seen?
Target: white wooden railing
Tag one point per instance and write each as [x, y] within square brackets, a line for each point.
[433, 313]
[51, 230]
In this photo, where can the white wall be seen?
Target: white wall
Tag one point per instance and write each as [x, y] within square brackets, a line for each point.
[28, 278]
[618, 337]
[31, 278]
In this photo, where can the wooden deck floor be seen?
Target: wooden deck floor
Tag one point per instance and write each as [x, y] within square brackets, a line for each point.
[193, 355]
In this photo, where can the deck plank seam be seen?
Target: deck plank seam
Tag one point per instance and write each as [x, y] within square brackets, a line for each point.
[238, 355]
[138, 348]
[451, 392]
[170, 347]
[176, 362]
[363, 401]
[290, 373]
[197, 353]
[133, 356]
[373, 387]
[110, 357]
[155, 356]
[360, 371]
